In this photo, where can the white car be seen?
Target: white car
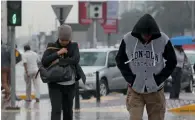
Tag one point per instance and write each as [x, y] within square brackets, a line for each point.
[102, 60]
[191, 56]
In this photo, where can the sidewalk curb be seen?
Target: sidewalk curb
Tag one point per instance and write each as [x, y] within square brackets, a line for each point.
[184, 109]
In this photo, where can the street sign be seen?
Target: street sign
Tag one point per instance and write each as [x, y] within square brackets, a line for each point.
[61, 12]
[112, 9]
[111, 26]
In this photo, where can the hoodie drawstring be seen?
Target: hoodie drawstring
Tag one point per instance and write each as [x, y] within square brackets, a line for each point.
[133, 53]
[154, 61]
[153, 53]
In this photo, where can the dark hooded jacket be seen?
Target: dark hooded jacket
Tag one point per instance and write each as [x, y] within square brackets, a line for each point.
[71, 58]
[142, 64]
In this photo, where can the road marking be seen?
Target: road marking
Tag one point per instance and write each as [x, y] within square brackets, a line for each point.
[184, 109]
[190, 109]
[94, 109]
[103, 99]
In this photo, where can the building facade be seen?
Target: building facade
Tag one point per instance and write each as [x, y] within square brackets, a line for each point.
[129, 5]
[4, 21]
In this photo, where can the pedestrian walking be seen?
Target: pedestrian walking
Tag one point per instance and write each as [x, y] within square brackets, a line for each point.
[140, 59]
[65, 52]
[177, 73]
[5, 69]
[31, 60]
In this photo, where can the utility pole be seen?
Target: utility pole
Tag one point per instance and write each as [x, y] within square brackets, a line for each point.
[56, 24]
[94, 33]
[61, 16]
[109, 35]
[13, 63]
[14, 18]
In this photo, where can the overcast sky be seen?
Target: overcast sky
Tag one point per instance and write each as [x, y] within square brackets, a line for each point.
[39, 16]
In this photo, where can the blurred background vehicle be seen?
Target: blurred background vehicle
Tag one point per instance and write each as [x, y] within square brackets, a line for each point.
[102, 60]
[111, 79]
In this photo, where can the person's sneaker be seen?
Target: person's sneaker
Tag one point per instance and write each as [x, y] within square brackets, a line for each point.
[37, 100]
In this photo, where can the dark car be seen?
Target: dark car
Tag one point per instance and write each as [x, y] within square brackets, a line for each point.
[187, 80]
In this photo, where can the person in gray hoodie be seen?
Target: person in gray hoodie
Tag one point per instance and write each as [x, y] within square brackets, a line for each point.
[146, 58]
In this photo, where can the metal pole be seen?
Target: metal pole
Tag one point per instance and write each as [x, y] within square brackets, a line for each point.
[56, 24]
[109, 39]
[12, 67]
[61, 16]
[77, 99]
[97, 87]
[13, 62]
[193, 18]
[9, 36]
[94, 33]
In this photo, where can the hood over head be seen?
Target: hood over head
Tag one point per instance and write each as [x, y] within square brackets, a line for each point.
[146, 25]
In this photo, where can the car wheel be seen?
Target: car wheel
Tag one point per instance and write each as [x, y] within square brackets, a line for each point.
[189, 89]
[86, 95]
[103, 87]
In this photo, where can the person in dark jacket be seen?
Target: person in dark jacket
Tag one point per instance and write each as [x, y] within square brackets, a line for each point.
[177, 73]
[5, 69]
[140, 59]
[62, 93]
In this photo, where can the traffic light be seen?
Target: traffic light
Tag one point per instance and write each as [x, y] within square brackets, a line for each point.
[95, 10]
[14, 13]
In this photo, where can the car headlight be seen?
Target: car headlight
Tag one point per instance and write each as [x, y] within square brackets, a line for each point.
[90, 75]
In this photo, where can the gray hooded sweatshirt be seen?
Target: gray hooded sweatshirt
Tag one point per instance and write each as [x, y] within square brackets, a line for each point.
[145, 66]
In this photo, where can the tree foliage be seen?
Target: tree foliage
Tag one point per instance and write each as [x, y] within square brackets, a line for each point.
[173, 17]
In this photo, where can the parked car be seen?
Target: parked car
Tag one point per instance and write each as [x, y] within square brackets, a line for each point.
[102, 60]
[187, 80]
[191, 56]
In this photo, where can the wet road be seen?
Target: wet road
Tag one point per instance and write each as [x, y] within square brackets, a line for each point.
[112, 107]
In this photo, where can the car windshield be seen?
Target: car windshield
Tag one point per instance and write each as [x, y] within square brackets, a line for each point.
[191, 57]
[93, 58]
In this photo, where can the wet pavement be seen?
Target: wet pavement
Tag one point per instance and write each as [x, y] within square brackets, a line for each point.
[112, 107]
